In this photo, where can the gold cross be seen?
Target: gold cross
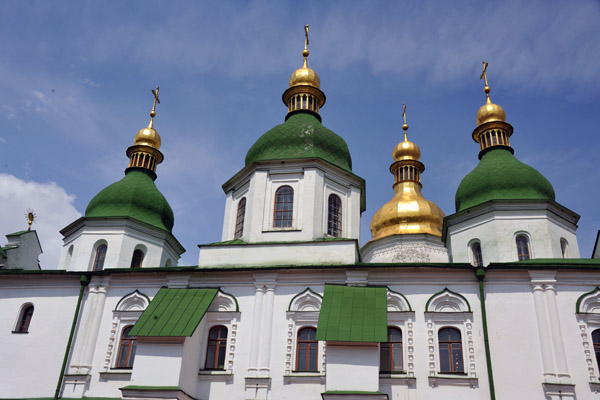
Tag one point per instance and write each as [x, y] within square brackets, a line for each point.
[306, 37]
[156, 99]
[483, 73]
[404, 112]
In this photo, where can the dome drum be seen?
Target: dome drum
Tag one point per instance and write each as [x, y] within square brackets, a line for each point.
[307, 98]
[141, 156]
[407, 170]
[493, 134]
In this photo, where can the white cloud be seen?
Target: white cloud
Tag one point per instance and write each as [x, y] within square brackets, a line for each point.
[52, 204]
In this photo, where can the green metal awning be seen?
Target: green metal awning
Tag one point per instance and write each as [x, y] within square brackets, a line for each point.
[174, 312]
[353, 314]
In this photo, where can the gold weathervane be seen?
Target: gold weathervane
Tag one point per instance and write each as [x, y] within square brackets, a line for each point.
[405, 126]
[483, 76]
[30, 218]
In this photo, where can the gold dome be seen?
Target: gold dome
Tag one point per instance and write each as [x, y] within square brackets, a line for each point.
[407, 212]
[490, 112]
[406, 150]
[305, 76]
[147, 137]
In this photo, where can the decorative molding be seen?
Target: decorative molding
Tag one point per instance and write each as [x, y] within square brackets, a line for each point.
[464, 323]
[447, 301]
[306, 301]
[134, 301]
[438, 380]
[224, 302]
[397, 302]
[589, 302]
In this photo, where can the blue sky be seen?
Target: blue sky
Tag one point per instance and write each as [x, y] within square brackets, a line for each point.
[75, 80]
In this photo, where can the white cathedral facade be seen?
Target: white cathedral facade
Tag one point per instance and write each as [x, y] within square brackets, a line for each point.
[491, 302]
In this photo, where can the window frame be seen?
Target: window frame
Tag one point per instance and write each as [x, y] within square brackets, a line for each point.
[100, 245]
[477, 257]
[309, 343]
[334, 226]
[240, 219]
[388, 347]
[220, 348]
[285, 211]
[451, 346]
[141, 261]
[523, 256]
[24, 318]
[131, 348]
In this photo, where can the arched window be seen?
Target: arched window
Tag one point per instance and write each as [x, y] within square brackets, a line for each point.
[477, 256]
[334, 216]
[216, 349]
[284, 207]
[127, 347]
[523, 248]
[596, 341]
[136, 260]
[564, 247]
[24, 319]
[99, 258]
[307, 350]
[390, 353]
[451, 355]
[239, 220]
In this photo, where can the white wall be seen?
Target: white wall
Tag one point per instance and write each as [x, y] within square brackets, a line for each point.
[496, 226]
[312, 182]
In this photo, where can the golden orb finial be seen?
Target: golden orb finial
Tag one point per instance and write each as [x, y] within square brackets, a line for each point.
[489, 111]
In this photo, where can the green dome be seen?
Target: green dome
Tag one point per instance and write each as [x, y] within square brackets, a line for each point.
[500, 176]
[301, 136]
[135, 196]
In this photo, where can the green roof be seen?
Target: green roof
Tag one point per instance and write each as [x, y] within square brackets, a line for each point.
[135, 196]
[3, 252]
[174, 312]
[353, 314]
[301, 136]
[500, 176]
[18, 233]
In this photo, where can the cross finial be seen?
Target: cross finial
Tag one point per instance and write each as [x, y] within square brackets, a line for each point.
[483, 73]
[306, 37]
[156, 100]
[405, 126]
[483, 76]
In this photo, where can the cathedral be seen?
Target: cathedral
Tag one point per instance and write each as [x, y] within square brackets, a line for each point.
[490, 302]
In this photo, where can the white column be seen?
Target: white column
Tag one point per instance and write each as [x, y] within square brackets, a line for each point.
[267, 329]
[256, 325]
[99, 291]
[559, 348]
[543, 330]
[89, 324]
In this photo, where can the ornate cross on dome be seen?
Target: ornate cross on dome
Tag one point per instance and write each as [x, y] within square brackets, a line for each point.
[156, 100]
[483, 73]
[306, 37]
[405, 126]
